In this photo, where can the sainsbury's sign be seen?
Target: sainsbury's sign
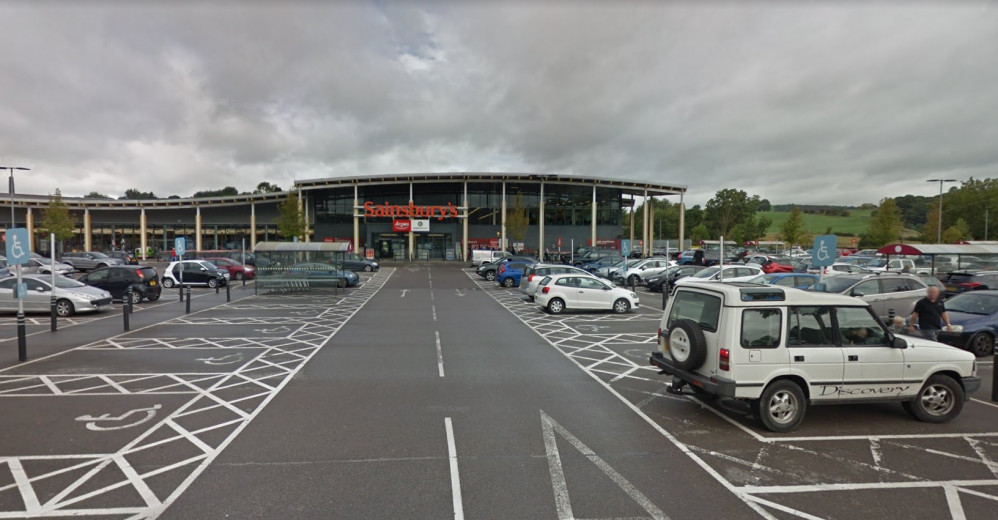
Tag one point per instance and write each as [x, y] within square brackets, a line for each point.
[410, 211]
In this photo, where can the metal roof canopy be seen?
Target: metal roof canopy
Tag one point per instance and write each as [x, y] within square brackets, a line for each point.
[939, 249]
[324, 247]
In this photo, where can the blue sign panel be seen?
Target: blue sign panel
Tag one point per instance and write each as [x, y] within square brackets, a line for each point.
[625, 248]
[180, 245]
[18, 250]
[823, 254]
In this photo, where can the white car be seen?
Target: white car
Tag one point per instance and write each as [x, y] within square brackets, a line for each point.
[578, 292]
[732, 273]
[71, 296]
[195, 272]
[783, 349]
[533, 275]
[608, 271]
[640, 271]
[837, 269]
[897, 265]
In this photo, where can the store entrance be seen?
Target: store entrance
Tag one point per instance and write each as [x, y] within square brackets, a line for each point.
[433, 245]
[391, 246]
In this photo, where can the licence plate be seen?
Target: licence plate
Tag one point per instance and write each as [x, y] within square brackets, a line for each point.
[950, 288]
[153, 282]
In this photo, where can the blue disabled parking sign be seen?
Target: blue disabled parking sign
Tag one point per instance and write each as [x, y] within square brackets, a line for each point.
[823, 254]
[18, 249]
[180, 246]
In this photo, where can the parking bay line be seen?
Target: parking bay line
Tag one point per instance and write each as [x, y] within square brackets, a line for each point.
[455, 476]
[440, 354]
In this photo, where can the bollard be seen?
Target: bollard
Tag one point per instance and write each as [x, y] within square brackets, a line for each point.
[129, 296]
[665, 294]
[632, 283]
[994, 379]
[124, 316]
[217, 288]
[180, 291]
[228, 295]
[188, 300]
[22, 338]
[244, 280]
[55, 315]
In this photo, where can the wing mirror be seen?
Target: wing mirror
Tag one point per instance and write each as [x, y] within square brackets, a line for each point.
[858, 294]
[897, 342]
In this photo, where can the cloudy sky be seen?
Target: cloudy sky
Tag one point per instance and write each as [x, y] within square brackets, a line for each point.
[842, 102]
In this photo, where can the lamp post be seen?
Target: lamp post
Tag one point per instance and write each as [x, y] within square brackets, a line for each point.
[939, 224]
[22, 347]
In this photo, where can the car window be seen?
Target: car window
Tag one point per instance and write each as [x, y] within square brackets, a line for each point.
[35, 285]
[804, 281]
[117, 275]
[786, 281]
[809, 326]
[97, 276]
[591, 283]
[8, 284]
[867, 288]
[896, 284]
[858, 327]
[761, 328]
[568, 282]
[702, 309]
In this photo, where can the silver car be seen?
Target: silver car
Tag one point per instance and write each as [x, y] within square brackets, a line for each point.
[40, 265]
[87, 260]
[71, 296]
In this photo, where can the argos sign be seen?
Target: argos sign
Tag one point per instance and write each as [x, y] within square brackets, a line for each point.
[401, 226]
[410, 211]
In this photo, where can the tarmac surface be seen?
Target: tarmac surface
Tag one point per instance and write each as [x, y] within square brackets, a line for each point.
[427, 392]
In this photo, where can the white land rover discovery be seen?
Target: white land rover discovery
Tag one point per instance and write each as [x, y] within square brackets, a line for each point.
[782, 349]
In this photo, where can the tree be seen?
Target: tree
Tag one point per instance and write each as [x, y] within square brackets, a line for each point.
[266, 187]
[516, 220]
[886, 225]
[58, 220]
[794, 229]
[224, 192]
[750, 230]
[290, 219]
[729, 208]
[765, 205]
[957, 232]
[930, 231]
[693, 218]
[699, 233]
[95, 195]
[134, 194]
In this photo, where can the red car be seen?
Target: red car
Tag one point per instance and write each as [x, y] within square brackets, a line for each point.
[236, 270]
[777, 265]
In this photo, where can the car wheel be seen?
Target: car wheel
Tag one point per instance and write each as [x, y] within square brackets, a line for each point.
[981, 344]
[782, 405]
[238, 275]
[136, 297]
[633, 280]
[490, 276]
[212, 283]
[621, 306]
[368, 269]
[152, 297]
[687, 346]
[556, 306]
[168, 283]
[939, 400]
[508, 282]
[64, 308]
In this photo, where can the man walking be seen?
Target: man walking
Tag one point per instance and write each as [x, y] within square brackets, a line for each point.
[930, 314]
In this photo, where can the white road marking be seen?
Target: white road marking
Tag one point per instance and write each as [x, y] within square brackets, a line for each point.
[223, 360]
[28, 495]
[878, 456]
[976, 444]
[95, 423]
[455, 476]
[459, 293]
[434, 309]
[993, 405]
[562, 501]
[403, 292]
[953, 501]
[440, 354]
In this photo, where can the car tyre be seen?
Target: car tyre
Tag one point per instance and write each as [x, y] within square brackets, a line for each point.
[212, 283]
[633, 280]
[687, 345]
[152, 297]
[940, 400]
[64, 308]
[490, 276]
[509, 282]
[621, 306]
[556, 306]
[136, 297]
[782, 406]
[981, 344]
[368, 269]
[168, 283]
[237, 276]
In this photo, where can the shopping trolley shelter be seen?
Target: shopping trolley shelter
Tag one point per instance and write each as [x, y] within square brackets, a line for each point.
[425, 391]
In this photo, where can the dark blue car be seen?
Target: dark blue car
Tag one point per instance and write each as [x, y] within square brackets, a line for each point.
[601, 262]
[974, 316]
[510, 273]
[796, 280]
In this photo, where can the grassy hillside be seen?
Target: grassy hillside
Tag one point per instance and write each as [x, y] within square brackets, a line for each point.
[856, 223]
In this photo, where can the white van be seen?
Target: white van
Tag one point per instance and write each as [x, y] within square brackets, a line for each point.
[783, 349]
[480, 256]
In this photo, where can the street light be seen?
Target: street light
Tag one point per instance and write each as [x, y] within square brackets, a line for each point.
[22, 347]
[939, 225]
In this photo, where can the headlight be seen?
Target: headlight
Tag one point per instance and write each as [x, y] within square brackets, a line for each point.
[957, 328]
[634, 296]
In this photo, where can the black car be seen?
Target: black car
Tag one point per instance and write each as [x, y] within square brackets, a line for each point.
[116, 280]
[667, 279]
[354, 262]
[963, 281]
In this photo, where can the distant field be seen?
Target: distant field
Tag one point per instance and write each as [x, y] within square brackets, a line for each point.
[857, 222]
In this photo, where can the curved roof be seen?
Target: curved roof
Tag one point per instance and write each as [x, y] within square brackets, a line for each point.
[939, 249]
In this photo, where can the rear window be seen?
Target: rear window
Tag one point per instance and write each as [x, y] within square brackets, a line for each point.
[147, 273]
[702, 309]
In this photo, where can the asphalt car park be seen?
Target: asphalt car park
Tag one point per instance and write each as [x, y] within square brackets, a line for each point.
[419, 394]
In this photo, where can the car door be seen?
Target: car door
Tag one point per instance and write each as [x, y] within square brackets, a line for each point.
[117, 282]
[97, 278]
[39, 295]
[870, 292]
[7, 301]
[568, 289]
[593, 294]
[814, 351]
[195, 273]
[872, 367]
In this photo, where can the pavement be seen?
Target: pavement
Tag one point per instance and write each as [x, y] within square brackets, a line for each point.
[427, 392]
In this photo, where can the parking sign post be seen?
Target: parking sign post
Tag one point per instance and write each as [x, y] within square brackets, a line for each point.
[823, 253]
[180, 247]
[18, 253]
[52, 303]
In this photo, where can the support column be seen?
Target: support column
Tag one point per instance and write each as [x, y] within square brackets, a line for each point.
[682, 223]
[308, 223]
[86, 230]
[467, 217]
[540, 227]
[502, 221]
[143, 240]
[650, 223]
[632, 222]
[197, 228]
[593, 223]
[29, 223]
[646, 224]
[412, 235]
[356, 218]
[252, 244]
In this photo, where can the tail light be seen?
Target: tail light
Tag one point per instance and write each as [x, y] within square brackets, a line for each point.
[139, 272]
[502, 269]
[546, 290]
[969, 285]
[530, 278]
[725, 360]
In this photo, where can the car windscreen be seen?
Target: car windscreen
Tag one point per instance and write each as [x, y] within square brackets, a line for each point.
[706, 273]
[973, 303]
[67, 283]
[702, 309]
[837, 284]
[961, 277]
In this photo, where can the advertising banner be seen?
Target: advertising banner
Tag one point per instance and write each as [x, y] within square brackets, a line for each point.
[401, 226]
[421, 225]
